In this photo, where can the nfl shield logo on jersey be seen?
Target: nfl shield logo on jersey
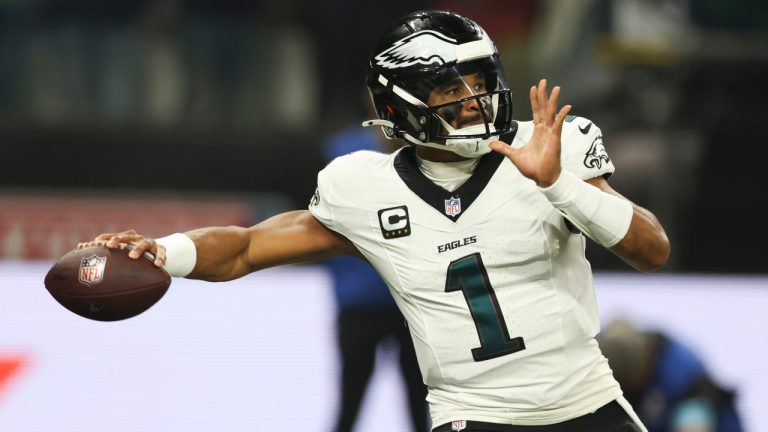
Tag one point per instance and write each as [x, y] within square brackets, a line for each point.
[458, 425]
[92, 270]
[453, 206]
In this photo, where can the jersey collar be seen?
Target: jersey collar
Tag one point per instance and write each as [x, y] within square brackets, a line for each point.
[407, 168]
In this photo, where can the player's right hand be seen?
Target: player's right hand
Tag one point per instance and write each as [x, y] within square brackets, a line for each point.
[130, 238]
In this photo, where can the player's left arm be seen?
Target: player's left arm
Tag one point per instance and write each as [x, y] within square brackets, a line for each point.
[645, 246]
[628, 230]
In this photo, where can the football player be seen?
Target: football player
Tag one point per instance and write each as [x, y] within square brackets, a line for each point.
[478, 227]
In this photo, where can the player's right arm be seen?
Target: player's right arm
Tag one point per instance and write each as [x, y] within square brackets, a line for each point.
[226, 253]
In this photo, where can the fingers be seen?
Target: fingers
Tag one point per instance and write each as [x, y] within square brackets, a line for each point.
[159, 255]
[104, 240]
[541, 97]
[139, 245]
[539, 101]
[535, 105]
[124, 238]
[543, 105]
[137, 242]
[147, 245]
[552, 104]
[560, 119]
[502, 147]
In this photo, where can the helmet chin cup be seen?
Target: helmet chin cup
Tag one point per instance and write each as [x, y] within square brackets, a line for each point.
[464, 147]
[470, 147]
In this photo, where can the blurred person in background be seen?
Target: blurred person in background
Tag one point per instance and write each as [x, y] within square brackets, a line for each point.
[478, 227]
[666, 381]
[367, 316]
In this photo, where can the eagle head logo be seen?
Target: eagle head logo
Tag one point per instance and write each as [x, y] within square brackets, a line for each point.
[596, 156]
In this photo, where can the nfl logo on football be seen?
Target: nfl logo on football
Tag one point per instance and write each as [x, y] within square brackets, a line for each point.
[92, 270]
[453, 206]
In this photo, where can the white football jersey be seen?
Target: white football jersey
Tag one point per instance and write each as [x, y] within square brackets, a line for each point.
[494, 285]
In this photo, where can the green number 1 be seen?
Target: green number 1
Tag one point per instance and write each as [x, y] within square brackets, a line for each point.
[469, 276]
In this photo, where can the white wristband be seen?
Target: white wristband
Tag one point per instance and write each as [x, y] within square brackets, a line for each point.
[603, 217]
[180, 254]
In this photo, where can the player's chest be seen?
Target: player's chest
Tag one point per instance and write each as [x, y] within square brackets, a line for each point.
[500, 242]
[507, 225]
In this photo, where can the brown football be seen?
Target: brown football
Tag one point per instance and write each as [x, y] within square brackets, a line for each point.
[104, 284]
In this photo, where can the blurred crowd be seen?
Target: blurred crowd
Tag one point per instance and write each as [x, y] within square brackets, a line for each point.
[202, 63]
[243, 62]
[668, 384]
[672, 83]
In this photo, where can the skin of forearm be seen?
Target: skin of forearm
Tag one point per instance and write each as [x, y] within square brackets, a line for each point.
[645, 247]
[226, 253]
[220, 253]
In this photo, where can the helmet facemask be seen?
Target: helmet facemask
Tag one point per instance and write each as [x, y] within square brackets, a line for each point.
[464, 103]
[460, 108]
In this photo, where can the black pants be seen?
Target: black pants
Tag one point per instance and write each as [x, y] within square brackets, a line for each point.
[608, 418]
[359, 333]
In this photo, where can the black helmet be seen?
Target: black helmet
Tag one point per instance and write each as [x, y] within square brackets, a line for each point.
[425, 68]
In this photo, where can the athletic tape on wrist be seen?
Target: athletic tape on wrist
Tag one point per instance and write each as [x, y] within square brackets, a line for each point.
[180, 254]
[603, 217]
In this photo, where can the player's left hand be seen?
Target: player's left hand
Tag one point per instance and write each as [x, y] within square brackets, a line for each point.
[539, 160]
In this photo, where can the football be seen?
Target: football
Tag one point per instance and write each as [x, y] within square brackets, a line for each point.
[104, 284]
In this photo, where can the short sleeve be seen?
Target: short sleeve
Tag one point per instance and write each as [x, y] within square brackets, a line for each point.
[321, 204]
[582, 149]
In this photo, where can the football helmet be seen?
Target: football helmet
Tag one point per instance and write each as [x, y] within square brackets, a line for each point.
[436, 80]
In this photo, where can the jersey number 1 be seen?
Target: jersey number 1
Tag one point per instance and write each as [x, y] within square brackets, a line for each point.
[469, 276]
